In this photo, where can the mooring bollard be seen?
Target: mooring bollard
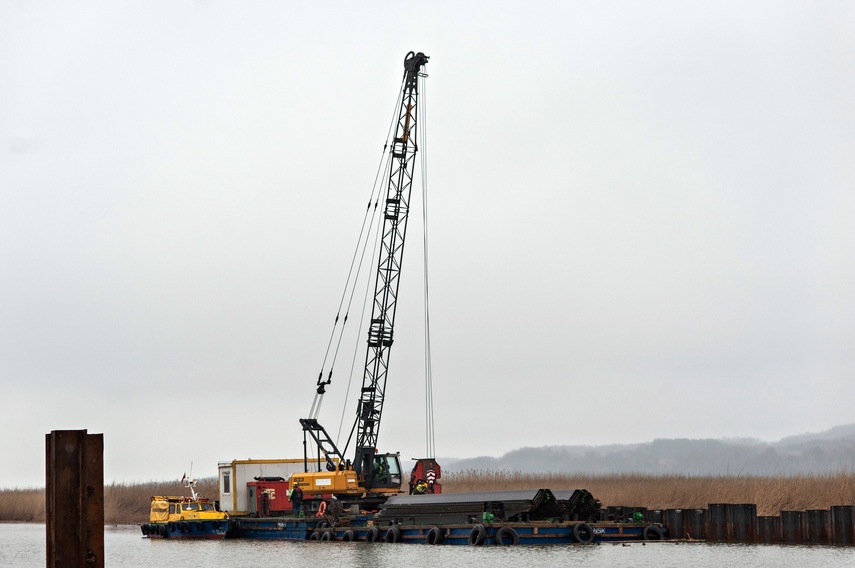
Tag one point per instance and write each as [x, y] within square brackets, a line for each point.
[74, 502]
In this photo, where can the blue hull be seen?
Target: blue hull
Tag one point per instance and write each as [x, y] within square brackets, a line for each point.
[539, 533]
[198, 529]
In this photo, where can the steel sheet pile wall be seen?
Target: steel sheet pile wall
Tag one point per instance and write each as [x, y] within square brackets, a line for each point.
[816, 526]
[843, 524]
[739, 523]
[791, 527]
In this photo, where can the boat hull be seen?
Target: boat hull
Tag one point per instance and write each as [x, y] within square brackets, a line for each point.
[196, 529]
[490, 534]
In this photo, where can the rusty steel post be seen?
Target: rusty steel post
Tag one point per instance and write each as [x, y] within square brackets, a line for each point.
[74, 499]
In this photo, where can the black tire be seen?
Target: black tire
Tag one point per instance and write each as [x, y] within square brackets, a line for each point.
[393, 534]
[185, 526]
[170, 526]
[349, 536]
[328, 536]
[652, 532]
[373, 535]
[200, 527]
[478, 535]
[583, 533]
[215, 525]
[163, 531]
[506, 536]
[434, 536]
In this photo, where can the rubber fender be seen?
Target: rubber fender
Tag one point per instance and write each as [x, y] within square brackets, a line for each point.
[393, 534]
[315, 536]
[434, 536]
[506, 536]
[582, 532]
[478, 535]
[349, 536]
[373, 535]
[652, 532]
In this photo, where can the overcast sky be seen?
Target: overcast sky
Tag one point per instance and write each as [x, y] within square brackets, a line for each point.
[641, 223]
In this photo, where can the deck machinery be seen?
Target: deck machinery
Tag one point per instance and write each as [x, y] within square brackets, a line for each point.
[371, 475]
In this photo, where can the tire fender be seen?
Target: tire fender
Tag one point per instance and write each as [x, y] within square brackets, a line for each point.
[582, 532]
[393, 534]
[434, 536]
[506, 536]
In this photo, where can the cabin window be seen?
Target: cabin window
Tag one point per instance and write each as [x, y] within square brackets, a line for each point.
[227, 483]
[172, 510]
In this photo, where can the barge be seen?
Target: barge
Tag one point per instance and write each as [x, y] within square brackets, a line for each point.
[485, 518]
[502, 534]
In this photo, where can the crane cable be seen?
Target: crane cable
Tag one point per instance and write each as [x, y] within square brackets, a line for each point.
[430, 442]
[352, 277]
[376, 230]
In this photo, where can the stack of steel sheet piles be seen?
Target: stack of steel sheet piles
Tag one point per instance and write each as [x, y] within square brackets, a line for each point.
[511, 506]
[578, 504]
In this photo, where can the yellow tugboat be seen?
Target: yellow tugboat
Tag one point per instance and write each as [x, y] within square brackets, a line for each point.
[185, 517]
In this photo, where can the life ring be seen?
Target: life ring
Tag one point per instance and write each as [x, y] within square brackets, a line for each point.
[322, 509]
[478, 535]
[393, 534]
[315, 536]
[652, 532]
[327, 536]
[349, 536]
[582, 532]
[373, 535]
[434, 536]
[506, 536]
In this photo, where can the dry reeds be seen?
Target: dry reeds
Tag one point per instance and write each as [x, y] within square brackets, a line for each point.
[124, 503]
[770, 494]
[128, 503]
[23, 505]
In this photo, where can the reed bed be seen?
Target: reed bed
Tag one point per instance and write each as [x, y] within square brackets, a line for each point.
[770, 494]
[128, 503]
[124, 503]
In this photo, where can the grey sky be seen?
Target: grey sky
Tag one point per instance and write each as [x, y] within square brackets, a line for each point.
[640, 214]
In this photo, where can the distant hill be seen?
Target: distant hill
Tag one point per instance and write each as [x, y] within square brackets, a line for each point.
[832, 451]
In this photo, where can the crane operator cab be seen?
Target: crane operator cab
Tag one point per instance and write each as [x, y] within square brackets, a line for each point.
[386, 472]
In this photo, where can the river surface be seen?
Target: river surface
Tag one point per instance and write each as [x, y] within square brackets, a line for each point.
[23, 546]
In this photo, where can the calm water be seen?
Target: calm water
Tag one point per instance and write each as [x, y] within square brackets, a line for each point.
[23, 546]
